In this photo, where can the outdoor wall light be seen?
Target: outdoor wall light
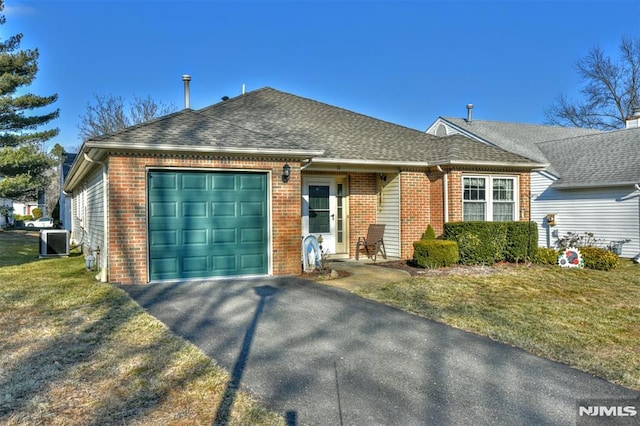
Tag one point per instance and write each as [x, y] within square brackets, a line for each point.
[286, 172]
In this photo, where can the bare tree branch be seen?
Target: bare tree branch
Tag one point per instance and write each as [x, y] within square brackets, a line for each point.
[610, 91]
[109, 114]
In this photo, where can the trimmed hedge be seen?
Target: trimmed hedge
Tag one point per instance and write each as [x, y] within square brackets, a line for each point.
[485, 243]
[435, 253]
[599, 258]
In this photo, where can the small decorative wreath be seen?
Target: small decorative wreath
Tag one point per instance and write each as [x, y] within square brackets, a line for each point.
[571, 258]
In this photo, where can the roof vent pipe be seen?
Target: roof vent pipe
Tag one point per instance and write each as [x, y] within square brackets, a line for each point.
[187, 93]
[469, 113]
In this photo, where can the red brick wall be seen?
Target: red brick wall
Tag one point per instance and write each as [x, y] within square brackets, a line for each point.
[128, 211]
[415, 209]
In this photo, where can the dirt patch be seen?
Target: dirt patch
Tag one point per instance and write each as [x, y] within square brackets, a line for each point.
[318, 275]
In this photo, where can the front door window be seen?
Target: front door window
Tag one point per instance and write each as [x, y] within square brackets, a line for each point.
[319, 209]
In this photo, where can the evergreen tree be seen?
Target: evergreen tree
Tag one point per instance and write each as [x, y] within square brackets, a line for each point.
[23, 162]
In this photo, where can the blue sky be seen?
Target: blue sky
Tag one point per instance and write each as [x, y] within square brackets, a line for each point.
[404, 62]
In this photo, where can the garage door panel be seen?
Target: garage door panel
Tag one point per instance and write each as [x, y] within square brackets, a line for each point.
[252, 208]
[194, 182]
[225, 182]
[164, 265]
[168, 181]
[251, 182]
[163, 238]
[163, 209]
[253, 262]
[223, 209]
[224, 236]
[195, 265]
[224, 263]
[194, 209]
[251, 235]
[194, 236]
[207, 224]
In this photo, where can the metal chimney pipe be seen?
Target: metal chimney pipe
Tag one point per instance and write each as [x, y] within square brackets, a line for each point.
[187, 93]
[469, 113]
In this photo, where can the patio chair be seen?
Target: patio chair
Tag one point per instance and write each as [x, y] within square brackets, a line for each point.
[372, 243]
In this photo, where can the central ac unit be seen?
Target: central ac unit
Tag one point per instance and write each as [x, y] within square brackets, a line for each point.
[54, 242]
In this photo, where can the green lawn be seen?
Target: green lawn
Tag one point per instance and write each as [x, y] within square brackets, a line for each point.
[74, 351]
[585, 318]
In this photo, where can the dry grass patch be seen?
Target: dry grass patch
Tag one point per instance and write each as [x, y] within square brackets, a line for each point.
[585, 318]
[78, 352]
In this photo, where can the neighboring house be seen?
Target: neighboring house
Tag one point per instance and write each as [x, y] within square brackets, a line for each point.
[590, 184]
[65, 198]
[24, 208]
[231, 189]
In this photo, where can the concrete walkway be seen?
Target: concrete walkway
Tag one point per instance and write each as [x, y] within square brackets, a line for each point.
[363, 273]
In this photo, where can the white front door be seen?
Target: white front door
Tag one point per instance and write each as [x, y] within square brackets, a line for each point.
[319, 210]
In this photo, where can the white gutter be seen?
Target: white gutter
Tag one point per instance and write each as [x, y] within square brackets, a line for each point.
[206, 149]
[105, 213]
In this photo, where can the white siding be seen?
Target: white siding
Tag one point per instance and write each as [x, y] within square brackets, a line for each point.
[389, 213]
[609, 213]
[88, 213]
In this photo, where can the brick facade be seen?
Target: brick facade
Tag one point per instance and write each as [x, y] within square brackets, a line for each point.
[128, 210]
[421, 204]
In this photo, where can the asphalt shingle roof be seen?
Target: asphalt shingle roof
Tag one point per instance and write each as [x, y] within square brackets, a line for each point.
[347, 135]
[596, 160]
[189, 128]
[516, 137]
[580, 157]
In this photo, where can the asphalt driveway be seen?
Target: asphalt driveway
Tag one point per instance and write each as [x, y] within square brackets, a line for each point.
[323, 356]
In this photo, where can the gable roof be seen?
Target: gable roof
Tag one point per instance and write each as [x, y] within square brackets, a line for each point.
[515, 137]
[603, 159]
[268, 122]
[347, 136]
[578, 157]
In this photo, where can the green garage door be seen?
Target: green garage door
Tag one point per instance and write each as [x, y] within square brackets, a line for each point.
[207, 224]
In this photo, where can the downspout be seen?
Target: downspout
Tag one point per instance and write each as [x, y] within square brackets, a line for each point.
[306, 165]
[102, 276]
[445, 189]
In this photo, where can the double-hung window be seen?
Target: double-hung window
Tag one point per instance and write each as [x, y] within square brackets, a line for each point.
[489, 198]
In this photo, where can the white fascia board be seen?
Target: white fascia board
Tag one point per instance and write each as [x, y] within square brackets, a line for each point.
[381, 163]
[467, 133]
[531, 165]
[208, 149]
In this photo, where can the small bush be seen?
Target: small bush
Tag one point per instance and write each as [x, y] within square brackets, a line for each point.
[435, 253]
[430, 233]
[546, 256]
[37, 213]
[599, 258]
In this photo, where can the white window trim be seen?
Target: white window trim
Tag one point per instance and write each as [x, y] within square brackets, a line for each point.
[489, 193]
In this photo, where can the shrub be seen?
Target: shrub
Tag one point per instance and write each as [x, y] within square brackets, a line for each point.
[546, 256]
[522, 241]
[435, 253]
[430, 233]
[485, 243]
[599, 258]
[37, 213]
